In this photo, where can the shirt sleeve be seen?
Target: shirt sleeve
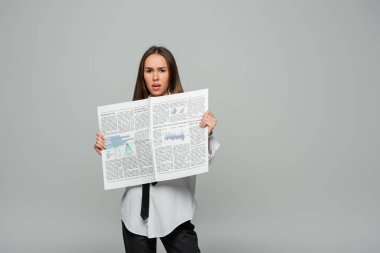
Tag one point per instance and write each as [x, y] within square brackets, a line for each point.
[213, 147]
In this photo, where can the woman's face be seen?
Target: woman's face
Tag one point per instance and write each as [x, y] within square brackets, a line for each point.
[156, 75]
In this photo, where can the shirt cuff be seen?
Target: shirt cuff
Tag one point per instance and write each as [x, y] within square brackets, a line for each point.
[213, 147]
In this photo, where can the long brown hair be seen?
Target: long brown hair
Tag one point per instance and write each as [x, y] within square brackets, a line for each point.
[141, 91]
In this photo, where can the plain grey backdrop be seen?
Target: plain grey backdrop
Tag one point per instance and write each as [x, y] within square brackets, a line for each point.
[295, 88]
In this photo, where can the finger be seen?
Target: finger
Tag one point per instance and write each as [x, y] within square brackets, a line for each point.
[210, 128]
[103, 146]
[211, 117]
[98, 151]
[209, 113]
[100, 140]
[202, 121]
[100, 135]
[209, 120]
[100, 146]
[213, 121]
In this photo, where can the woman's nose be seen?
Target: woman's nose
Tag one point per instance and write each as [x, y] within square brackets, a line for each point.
[155, 75]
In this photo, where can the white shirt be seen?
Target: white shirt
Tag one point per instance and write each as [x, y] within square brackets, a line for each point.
[171, 203]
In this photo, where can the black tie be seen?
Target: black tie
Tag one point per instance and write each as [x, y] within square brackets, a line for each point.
[145, 201]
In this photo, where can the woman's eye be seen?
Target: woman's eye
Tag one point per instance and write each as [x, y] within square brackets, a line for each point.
[148, 71]
[162, 70]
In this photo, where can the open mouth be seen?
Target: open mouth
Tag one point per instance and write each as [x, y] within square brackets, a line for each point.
[156, 86]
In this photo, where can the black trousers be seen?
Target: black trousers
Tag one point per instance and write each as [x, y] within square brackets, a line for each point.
[182, 239]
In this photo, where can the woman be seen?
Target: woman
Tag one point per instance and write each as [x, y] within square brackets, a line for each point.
[171, 202]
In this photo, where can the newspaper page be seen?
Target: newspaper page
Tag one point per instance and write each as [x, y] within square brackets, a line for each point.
[180, 145]
[127, 160]
[154, 139]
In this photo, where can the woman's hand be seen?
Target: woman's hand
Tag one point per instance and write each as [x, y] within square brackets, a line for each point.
[209, 120]
[100, 144]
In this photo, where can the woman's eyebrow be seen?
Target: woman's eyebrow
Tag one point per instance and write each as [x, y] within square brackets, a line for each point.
[157, 68]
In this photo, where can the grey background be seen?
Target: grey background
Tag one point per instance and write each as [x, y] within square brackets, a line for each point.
[294, 85]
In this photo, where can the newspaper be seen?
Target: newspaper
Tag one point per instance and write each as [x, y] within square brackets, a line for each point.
[154, 139]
